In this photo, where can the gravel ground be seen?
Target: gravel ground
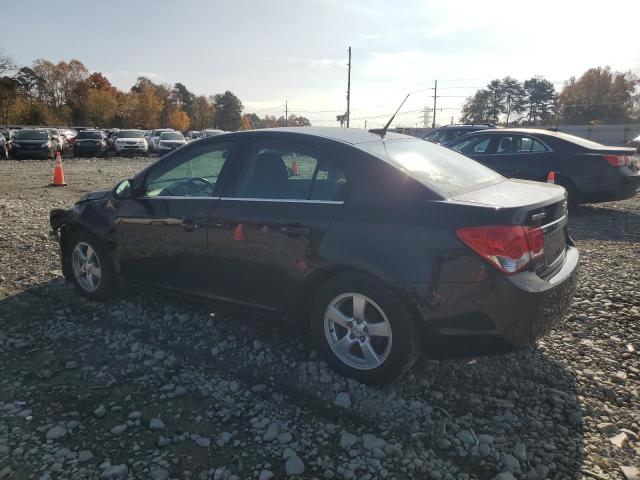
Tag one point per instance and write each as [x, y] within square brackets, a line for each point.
[148, 387]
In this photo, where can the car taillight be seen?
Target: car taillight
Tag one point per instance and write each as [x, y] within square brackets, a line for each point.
[618, 160]
[509, 248]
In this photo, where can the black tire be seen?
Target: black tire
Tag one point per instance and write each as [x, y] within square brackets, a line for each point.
[404, 349]
[572, 194]
[107, 287]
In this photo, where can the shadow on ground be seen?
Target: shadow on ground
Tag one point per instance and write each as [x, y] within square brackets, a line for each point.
[517, 410]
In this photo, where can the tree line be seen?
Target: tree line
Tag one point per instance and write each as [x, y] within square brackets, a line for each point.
[67, 93]
[599, 96]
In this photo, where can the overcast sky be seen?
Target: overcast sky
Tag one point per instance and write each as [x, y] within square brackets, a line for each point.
[267, 52]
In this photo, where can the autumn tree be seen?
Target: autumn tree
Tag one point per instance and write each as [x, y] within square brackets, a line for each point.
[148, 108]
[598, 96]
[179, 120]
[101, 107]
[202, 113]
[228, 111]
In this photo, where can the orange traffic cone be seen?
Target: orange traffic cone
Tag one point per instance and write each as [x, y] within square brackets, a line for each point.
[238, 233]
[551, 178]
[294, 167]
[58, 173]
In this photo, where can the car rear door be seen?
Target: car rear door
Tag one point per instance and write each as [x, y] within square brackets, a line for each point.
[161, 234]
[518, 156]
[266, 231]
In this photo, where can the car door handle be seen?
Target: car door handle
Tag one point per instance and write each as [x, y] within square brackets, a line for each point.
[189, 225]
[295, 230]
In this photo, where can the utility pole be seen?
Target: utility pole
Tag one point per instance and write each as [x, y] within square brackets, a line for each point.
[365, 124]
[286, 113]
[349, 89]
[435, 96]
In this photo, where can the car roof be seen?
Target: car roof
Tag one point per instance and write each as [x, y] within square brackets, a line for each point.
[352, 136]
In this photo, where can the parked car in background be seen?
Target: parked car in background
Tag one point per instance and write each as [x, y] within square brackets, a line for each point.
[589, 171]
[447, 133]
[112, 135]
[210, 132]
[70, 136]
[131, 142]
[33, 143]
[90, 143]
[155, 138]
[373, 247]
[169, 141]
[192, 135]
[7, 134]
[634, 143]
[58, 139]
[4, 147]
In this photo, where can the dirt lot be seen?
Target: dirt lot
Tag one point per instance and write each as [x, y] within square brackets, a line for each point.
[148, 387]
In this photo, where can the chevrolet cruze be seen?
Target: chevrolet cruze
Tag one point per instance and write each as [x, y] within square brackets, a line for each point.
[372, 242]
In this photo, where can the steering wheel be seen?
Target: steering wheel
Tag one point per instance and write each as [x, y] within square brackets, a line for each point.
[202, 181]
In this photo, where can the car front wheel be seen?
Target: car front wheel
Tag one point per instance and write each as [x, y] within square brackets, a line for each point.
[93, 272]
[363, 329]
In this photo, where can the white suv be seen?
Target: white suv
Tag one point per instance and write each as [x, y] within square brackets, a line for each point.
[131, 142]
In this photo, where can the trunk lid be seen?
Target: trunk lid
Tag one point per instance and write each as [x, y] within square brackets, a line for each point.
[530, 204]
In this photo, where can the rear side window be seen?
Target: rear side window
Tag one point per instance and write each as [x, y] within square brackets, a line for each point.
[278, 170]
[445, 171]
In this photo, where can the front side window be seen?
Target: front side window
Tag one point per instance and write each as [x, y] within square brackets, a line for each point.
[171, 136]
[194, 174]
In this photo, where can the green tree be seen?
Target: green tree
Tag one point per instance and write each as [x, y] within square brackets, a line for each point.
[202, 113]
[228, 111]
[514, 97]
[476, 108]
[540, 95]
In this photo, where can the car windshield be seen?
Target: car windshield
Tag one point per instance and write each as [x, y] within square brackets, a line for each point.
[157, 133]
[31, 135]
[89, 135]
[439, 168]
[130, 134]
[171, 136]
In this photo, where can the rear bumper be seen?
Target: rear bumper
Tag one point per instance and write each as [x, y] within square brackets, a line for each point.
[611, 189]
[519, 308]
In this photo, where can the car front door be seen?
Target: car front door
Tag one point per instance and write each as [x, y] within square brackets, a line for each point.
[265, 232]
[161, 233]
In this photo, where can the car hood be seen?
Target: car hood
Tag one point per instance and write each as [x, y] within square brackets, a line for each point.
[30, 142]
[511, 193]
[97, 195]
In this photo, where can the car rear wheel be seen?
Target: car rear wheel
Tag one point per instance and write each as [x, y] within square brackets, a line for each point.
[363, 329]
[93, 271]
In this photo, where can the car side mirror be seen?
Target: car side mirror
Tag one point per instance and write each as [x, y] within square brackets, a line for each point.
[124, 190]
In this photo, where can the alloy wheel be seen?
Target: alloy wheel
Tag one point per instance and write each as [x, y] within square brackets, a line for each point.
[358, 331]
[86, 266]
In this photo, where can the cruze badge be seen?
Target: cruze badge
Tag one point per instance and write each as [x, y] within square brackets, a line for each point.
[538, 216]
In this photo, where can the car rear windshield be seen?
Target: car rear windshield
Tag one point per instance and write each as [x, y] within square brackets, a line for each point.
[31, 135]
[171, 136]
[89, 135]
[443, 170]
[583, 142]
[130, 134]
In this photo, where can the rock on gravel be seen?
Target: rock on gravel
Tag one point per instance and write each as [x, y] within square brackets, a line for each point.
[294, 466]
